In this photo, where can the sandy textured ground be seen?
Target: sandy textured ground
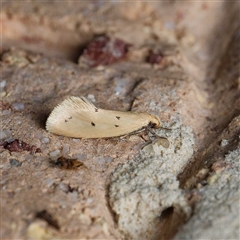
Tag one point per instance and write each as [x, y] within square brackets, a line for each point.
[179, 61]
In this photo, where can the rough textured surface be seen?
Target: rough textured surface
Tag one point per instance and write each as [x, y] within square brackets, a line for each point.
[182, 64]
[147, 185]
[218, 206]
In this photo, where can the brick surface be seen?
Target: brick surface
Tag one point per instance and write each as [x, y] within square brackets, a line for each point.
[138, 186]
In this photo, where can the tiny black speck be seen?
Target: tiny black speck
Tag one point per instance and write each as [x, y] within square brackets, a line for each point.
[116, 125]
[117, 117]
[93, 124]
[66, 120]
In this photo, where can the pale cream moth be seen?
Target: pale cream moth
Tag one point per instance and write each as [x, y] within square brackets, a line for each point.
[79, 118]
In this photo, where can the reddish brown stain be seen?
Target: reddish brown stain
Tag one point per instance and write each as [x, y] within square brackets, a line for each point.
[19, 146]
[104, 51]
[155, 58]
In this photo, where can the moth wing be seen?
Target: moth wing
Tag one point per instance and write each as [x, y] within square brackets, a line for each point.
[78, 117]
[85, 102]
[78, 103]
[72, 108]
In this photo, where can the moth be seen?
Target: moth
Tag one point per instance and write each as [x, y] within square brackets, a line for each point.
[79, 118]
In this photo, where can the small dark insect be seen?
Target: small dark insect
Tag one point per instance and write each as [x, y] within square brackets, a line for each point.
[116, 125]
[44, 215]
[93, 124]
[66, 163]
[117, 117]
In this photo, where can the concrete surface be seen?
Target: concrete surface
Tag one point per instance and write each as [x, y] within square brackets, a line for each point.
[181, 184]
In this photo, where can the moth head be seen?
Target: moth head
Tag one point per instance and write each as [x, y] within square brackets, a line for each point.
[154, 122]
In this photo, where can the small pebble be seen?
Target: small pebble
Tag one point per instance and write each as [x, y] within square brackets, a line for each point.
[49, 182]
[6, 112]
[224, 142]
[65, 149]
[54, 153]
[64, 187]
[15, 162]
[91, 97]
[45, 140]
[80, 157]
[38, 135]
[2, 84]
[4, 134]
[104, 160]
[18, 106]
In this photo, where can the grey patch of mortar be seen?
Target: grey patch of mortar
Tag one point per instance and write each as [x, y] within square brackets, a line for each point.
[216, 216]
[143, 188]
